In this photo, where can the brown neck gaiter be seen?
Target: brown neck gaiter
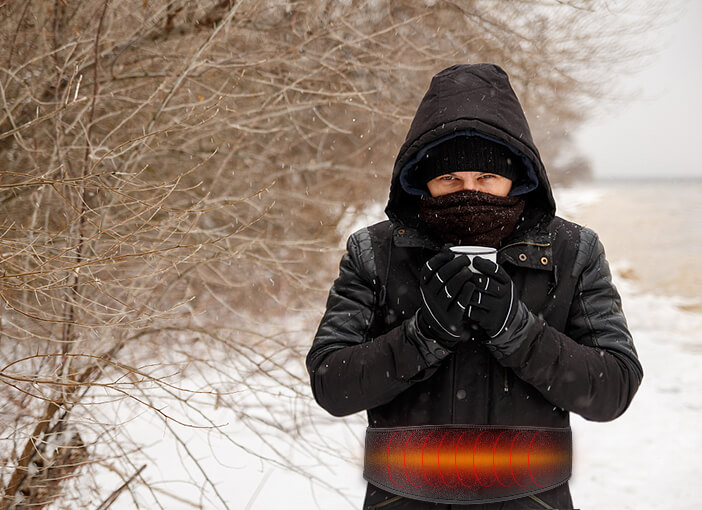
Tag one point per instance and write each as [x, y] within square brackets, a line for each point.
[471, 217]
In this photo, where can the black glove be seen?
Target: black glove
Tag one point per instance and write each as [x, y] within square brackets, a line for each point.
[446, 289]
[495, 306]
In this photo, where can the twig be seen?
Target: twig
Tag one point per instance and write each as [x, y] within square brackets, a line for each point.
[258, 489]
[115, 494]
[41, 118]
[193, 60]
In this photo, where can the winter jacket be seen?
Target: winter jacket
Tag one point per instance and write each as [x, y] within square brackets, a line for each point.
[368, 353]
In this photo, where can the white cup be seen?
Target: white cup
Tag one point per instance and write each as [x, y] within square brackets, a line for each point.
[475, 251]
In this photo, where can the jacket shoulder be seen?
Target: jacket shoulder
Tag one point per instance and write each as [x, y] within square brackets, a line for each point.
[381, 231]
[372, 233]
[563, 230]
[580, 244]
[364, 245]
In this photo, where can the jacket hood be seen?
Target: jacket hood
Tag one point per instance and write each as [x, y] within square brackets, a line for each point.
[470, 100]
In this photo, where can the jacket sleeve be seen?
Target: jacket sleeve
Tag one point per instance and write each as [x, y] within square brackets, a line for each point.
[349, 371]
[592, 368]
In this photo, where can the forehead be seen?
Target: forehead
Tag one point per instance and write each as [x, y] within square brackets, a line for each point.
[464, 175]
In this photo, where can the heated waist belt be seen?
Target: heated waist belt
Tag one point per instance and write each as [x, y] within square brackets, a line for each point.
[466, 463]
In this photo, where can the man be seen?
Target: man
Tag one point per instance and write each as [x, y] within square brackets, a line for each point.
[468, 372]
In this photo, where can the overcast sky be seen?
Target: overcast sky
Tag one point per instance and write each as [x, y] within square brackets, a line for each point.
[659, 133]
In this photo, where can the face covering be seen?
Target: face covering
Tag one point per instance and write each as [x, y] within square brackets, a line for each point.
[471, 217]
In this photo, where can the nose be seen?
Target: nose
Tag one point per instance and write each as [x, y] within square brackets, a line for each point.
[470, 184]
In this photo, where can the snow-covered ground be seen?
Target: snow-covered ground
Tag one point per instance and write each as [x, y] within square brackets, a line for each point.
[646, 459]
[649, 457]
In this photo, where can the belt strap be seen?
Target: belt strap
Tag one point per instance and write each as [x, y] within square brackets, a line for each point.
[467, 463]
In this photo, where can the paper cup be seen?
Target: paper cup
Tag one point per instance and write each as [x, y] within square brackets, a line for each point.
[475, 251]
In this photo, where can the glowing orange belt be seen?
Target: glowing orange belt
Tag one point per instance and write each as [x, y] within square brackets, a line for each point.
[466, 463]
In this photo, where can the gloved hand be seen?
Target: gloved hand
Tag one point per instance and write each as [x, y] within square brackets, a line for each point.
[446, 289]
[495, 306]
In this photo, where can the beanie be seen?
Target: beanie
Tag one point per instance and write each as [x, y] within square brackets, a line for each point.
[467, 154]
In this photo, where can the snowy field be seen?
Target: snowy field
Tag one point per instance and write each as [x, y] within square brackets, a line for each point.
[647, 459]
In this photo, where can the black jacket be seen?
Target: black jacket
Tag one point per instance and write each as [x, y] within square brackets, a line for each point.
[369, 355]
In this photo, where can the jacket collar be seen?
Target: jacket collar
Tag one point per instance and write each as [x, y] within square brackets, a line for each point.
[531, 249]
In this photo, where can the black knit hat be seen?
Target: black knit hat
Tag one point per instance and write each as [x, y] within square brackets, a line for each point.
[467, 154]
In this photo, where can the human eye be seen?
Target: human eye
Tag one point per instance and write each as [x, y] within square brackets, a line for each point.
[447, 177]
[487, 176]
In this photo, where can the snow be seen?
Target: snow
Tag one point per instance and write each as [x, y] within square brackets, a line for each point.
[357, 219]
[646, 459]
[569, 200]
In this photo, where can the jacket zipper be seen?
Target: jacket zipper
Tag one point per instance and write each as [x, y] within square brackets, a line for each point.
[453, 388]
[506, 386]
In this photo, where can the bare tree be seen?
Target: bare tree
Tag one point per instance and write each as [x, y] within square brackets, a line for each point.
[173, 177]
